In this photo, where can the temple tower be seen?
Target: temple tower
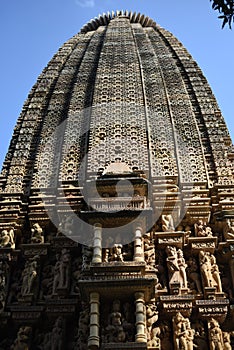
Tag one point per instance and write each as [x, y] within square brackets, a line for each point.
[117, 200]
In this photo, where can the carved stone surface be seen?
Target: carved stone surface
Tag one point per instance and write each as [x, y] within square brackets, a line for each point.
[117, 200]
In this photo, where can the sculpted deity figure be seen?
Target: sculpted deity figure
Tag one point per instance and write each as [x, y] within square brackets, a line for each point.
[168, 223]
[116, 253]
[202, 230]
[182, 268]
[37, 234]
[228, 230]
[61, 270]
[114, 330]
[210, 271]
[151, 318]
[227, 341]
[29, 276]
[23, 339]
[66, 226]
[176, 266]
[193, 274]
[57, 335]
[183, 333]
[154, 340]
[200, 336]
[215, 335]
[3, 272]
[149, 250]
[7, 239]
[87, 253]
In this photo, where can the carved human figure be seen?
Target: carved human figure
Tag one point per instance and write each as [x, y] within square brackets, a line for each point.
[57, 335]
[182, 268]
[210, 271]
[7, 239]
[193, 274]
[168, 223]
[202, 230]
[61, 270]
[200, 337]
[52, 340]
[84, 319]
[149, 251]
[66, 226]
[227, 341]
[76, 273]
[3, 271]
[151, 316]
[128, 322]
[37, 234]
[114, 330]
[172, 265]
[29, 276]
[176, 267]
[47, 278]
[215, 273]
[228, 230]
[87, 253]
[153, 339]
[165, 336]
[82, 331]
[215, 335]
[23, 339]
[183, 333]
[116, 253]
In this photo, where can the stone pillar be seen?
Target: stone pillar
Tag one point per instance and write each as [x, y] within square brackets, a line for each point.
[97, 244]
[140, 318]
[93, 340]
[138, 244]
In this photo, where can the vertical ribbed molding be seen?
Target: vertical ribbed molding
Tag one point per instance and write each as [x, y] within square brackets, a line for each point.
[117, 127]
[51, 138]
[190, 153]
[78, 118]
[20, 158]
[160, 131]
[218, 141]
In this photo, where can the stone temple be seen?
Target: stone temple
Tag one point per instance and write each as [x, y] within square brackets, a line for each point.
[117, 200]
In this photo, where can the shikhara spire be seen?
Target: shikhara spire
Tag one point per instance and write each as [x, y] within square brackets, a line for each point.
[117, 199]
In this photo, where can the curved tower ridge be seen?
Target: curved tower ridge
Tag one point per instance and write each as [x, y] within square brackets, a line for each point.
[105, 18]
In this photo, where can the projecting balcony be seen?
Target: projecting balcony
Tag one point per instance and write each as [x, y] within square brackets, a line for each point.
[116, 204]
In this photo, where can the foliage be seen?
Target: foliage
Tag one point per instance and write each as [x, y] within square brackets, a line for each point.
[226, 10]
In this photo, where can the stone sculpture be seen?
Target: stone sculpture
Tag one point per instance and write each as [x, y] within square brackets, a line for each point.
[202, 230]
[61, 271]
[23, 339]
[176, 267]
[183, 333]
[210, 271]
[7, 239]
[168, 223]
[37, 234]
[216, 336]
[29, 276]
